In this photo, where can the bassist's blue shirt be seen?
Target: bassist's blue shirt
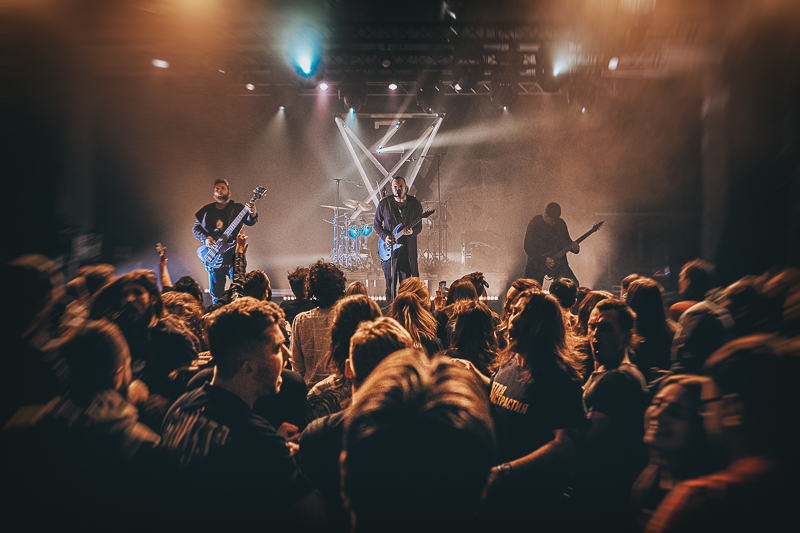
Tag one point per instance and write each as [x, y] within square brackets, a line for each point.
[213, 222]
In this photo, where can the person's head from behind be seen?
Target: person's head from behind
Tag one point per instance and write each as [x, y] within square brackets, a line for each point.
[587, 306]
[478, 280]
[409, 312]
[98, 276]
[565, 290]
[185, 308]
[256, 285]
[245, 342]
[580, 294]
[326, 283]
[371, 343]
[132, 300]
[751, 402]
[418, 447]
[611, 330]
[704, 328]
[298, 281]
[356, 287]
[461, 289]
[417, 287]
[33, 285]
[473, 333]
[190, 286]
[625, 285]
[646, 298]
[694, 281]
[537, 325]
[348, 313]
[98, 360]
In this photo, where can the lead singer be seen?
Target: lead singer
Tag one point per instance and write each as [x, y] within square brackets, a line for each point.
[400, 208]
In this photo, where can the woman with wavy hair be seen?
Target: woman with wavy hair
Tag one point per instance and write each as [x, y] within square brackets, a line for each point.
[536, 398]
[473, 335]
[418, 321]
[646, 298]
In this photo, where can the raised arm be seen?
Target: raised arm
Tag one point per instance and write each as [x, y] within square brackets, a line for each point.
[163, 272]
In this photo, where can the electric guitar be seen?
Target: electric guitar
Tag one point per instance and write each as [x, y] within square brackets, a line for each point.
[558, 257]
[383, 251]
[211, 256]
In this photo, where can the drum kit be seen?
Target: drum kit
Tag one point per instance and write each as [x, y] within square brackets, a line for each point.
[350, 237]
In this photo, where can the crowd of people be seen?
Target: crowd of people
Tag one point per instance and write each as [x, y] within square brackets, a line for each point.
[128, 404]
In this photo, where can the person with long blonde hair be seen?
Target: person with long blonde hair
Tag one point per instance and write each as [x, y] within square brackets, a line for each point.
[409, 312]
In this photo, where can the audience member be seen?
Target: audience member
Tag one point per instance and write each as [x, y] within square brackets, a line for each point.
[98, 276]
[579, 296]
[625, 285]
[311, 330]
[418, 321]
[257, 285]
[356, 288]
[693, 283]
[321, 442]
[418, 447]
[298, 281]
[565, 290]
[656, 331]
[219, 448]
[473, 336]
[333, 393]
[461, 289]
[417, 287]
[702, 329]
[750, 409]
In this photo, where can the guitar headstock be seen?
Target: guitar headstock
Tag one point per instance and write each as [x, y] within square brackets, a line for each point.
[428, 213]
[258, 192]
[598, 225]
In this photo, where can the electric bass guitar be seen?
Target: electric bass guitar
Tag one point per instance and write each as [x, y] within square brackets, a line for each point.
[384, 252]
[561, 263]
[211, 256]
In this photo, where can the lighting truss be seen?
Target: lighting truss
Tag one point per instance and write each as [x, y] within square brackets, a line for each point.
[394, 122]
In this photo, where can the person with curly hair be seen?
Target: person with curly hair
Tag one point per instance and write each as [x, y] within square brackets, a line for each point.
[311, 330]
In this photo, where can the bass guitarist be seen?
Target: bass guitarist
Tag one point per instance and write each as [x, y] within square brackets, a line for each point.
[212, 221]
[397, 209]
[546, 235]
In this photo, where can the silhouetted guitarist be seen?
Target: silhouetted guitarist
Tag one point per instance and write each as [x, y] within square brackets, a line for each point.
[546, 235]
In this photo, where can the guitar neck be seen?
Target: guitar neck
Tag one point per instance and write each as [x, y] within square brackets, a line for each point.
[229, 231]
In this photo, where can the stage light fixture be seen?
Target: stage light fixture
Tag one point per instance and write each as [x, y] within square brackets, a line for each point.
[353, 95]
[467, 72]
[160, 63]
[550, 75]
[250, 87]
[429, 95]
[281, 108]
[305, 50]
[613, 63]
[323, 86]
[392, 86]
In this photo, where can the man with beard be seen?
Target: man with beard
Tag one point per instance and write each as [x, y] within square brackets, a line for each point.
[212, 221]
[393, 210]
[133, 302]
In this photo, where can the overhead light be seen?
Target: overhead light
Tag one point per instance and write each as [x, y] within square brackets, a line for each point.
[392, 86]
[429, 96]
[281, 108]
[613, 63]
[353, 95]
[250, 87]
[160, 63]
[305, 50]
[323, 86]
[503, 92]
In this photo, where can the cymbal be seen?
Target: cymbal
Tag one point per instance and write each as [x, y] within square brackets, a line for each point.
[334, 207]
[355, 204]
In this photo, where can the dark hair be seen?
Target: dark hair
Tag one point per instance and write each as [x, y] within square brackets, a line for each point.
[348, 313]
[256, 284]
[418, 321]
[419, 442]
[580, 294]
[585, 309]
[235, 328]
[188, 312]
[399, 178]
[626, 282]
[356, 288]
[478, 281]
[29, 282]
[326, 282]
[541, 336]
[646, 298]
[372, 342]
[762, 369]
[95, 352]
[298, 281]
[553, 210]
[461, 289]
[107, 301]
[98, 276]
[695, 272]
[473, 334]
[190, 286]
[626, 317]
[565, 290]
[222, 180]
